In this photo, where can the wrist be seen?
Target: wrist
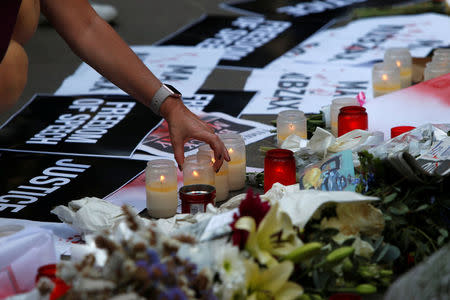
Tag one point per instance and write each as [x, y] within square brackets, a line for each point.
[171, 106]
[162, 94]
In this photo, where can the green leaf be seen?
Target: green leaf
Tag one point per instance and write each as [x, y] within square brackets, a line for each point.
[422, 207]
[440, 240]
[388, 254]
[389, 198]
[443, 232]
[378, 243]
[399, 209]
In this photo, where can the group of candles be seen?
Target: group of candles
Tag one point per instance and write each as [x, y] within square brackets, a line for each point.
[202, 185]
[346, 114]
[395, 72]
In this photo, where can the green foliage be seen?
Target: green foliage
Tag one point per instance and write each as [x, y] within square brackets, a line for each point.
[416, 215]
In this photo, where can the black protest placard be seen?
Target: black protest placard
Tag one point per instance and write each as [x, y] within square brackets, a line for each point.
[303, 10]
[249, 42]
[32, 184]
[229, 102]
[83, 125]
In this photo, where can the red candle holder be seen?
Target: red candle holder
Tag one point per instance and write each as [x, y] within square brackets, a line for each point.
[279, 166]
[396, 131]
[195, 197]
[351, 118]
[60, 287]
[345, 296]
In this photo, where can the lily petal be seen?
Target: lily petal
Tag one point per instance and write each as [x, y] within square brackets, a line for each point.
[289, 291]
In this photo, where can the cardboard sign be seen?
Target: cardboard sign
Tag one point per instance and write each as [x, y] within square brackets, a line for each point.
[364, 41]
[109, 126]
[32, 184]
[186, 68]
[301, 9]
[306, 87]
[249, 42]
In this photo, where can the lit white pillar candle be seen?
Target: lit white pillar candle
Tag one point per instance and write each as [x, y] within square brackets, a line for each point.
[197, 170]
[237, 165]
[221, 177]
[403, 60]
[385, 79]
[290, 122]
[336, 105]
[161, 188]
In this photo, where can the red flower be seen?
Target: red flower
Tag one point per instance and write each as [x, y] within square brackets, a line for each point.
[251, 206]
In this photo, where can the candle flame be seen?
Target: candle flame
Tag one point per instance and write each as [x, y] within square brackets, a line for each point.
[291, 127]
[162, 178]
[399, 63]
[230, 150]
[213, 160]
[195, 173]
[384, 77]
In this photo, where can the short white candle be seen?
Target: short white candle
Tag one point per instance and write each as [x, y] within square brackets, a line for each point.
[221, 177]
[385, 79]
[290, 122]
[237, 165]
[336, 105]
[403, 60]
[197, 170]
[161, 188]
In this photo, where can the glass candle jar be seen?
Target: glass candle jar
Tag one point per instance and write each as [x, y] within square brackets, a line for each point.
[279, 166]
[161, 187]
[403, 60]
[442, 55]
[290, 122]
[351, 118]
[385, 79]
[194, 198]
[221, 177]
[198, 170]
[237, 165]
[435, 69]
[396, 131]
[336, 105]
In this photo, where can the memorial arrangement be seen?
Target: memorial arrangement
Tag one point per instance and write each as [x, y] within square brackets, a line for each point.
[353, 198]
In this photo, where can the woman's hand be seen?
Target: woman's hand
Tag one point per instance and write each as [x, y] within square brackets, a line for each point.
[185, 125]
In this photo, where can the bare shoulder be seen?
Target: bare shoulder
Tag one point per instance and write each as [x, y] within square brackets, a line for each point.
[27, 21]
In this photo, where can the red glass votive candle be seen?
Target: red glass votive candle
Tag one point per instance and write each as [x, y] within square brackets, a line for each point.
[345, 296]
[195, 197]
[396, 131]
[60, 287]
[351, 118]
[279, 166]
